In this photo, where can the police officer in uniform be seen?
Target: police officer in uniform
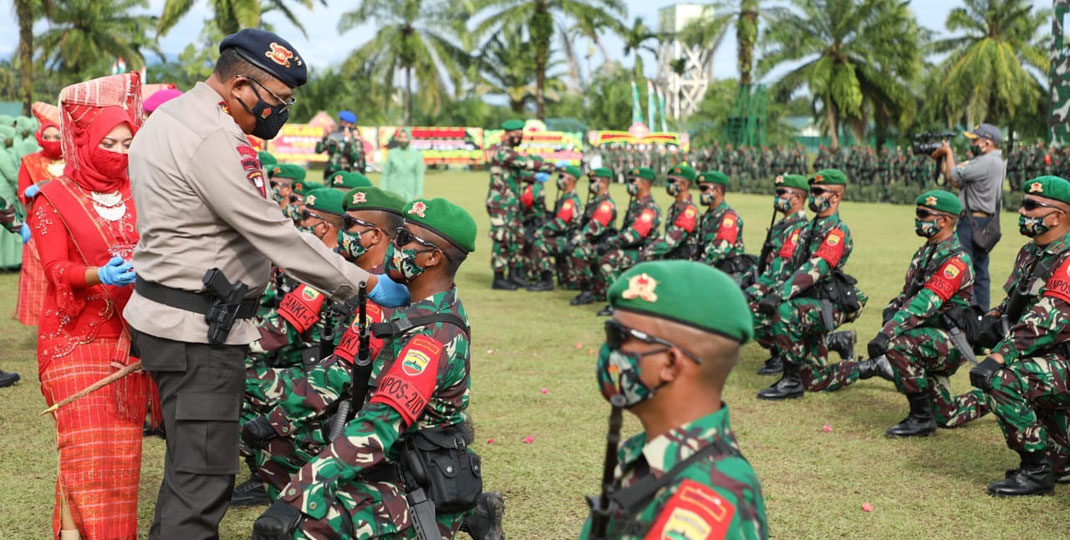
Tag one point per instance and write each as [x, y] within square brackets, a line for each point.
[205, 206]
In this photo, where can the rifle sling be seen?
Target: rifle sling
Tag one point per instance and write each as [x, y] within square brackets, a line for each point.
[400, 326]
[631, 497]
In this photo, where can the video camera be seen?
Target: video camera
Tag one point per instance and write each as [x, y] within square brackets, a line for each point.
[928, 142]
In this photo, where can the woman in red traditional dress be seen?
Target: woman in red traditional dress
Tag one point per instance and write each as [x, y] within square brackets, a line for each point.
[36, 169]
[84, 226]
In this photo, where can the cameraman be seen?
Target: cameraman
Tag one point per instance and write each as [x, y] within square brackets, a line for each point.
[980, 181]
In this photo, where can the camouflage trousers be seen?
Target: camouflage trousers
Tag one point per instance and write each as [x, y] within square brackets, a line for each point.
[548, 250]
[923, 361]
[612, 264]
[763, 324]
[369, 509]
[798, 336]
[581, 263]
[1031, 400]
[504, 241]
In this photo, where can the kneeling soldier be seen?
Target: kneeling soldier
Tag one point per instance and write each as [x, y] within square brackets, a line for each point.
[551, 240]
[1026, 379]
[682, 219]
[619, 252]
[719, 242]
[598, 220]
[669, 349]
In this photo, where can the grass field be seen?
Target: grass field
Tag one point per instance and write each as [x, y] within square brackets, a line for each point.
[814, 482]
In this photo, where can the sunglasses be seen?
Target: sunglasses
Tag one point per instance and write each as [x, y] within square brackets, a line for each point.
[819, 191]
[924, 213]
[306, 214]
[286, 103]
[617, 334]
[780, 192]
[1032, 204]
[705, 187]
[348, 222]
[404, 237]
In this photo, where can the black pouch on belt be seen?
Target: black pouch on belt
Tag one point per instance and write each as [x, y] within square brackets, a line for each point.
[440, 461]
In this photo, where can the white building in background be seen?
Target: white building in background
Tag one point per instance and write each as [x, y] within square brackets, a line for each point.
[683, 92]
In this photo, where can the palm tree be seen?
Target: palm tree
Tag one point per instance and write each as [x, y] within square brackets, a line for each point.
[635, 39]
[507, 67]
[710, 28]
[416, 38]
[27, 12]
[851, 53]
[84, 32]
[590, 24]
[986, 76]
[232, 15]
[538, 17]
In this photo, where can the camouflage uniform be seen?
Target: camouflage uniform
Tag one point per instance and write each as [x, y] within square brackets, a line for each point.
[783, 239]
[597, 223]
[503, 206]
[675, 241]
[341, 489]
[720, 235]
[717, 496]
[923, 358]
[341, 155]
[551, 240]
[530, 218]
[798, 330]
[1030, 395]
[642, 218]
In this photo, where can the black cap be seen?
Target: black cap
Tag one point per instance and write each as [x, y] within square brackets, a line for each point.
[269, 52]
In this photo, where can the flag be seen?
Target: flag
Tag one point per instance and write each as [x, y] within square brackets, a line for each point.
[637, 110]
[651, 109]
[661, 110]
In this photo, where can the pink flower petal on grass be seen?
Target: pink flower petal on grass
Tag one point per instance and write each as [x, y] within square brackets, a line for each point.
[544, 390]
[826, 428]
[579, 345]
[529, 439]
[590, 351]
[490, 440]
[866, 507]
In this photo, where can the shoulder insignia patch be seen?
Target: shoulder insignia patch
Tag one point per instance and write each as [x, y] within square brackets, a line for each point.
[642, 287]
[695, 512]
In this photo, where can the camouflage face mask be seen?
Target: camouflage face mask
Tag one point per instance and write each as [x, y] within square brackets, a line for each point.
[618, 374]
[349, 245]
[401, 263]
[595, 188]
[672, 189]
[782, 204]
[633, 188]
[706, 199]
[819, 204]
[1032, 227]
[925, 228]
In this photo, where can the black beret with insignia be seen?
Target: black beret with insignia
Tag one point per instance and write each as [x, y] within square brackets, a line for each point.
[269, 52]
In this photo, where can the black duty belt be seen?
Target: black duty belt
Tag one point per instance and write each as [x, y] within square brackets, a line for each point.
[190, 301]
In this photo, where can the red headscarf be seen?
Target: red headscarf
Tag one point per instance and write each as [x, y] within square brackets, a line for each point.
[89, 111]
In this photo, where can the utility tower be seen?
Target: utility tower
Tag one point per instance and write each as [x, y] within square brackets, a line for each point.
[684, 90]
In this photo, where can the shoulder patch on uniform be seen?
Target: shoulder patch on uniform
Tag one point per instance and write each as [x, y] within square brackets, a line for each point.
[408, 384]
[1058, 285]
[694, 512]
[947, 280]
[832, 248]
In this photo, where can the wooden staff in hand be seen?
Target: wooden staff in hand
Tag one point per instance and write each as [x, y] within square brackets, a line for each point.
[126, 370]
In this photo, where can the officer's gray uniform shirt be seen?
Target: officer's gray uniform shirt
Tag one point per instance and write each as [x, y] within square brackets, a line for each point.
[203, 202]
[981, 179]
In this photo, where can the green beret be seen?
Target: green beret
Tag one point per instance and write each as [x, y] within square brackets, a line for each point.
[373, 198]
[444, 219]
[512, 125]
[796, 181]
[1049, 187]
[289, 170]
[684, 171]
[646, 173]
[348, 180]
[573, 170]
[940, 200]
[267, 159]
[304, 187]
[829, 177]
[666, 289]
[325, 200]
[714, 177]
[601, 172]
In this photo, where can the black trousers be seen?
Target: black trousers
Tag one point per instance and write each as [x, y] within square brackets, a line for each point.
[201, 388]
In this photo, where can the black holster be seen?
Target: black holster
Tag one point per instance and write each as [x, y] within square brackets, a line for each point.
[440, 461]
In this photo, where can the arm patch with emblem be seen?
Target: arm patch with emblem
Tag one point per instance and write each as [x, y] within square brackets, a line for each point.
[301, 308]
[1058, 285]
[407, 386]
[349, 345]
[604, 214]
[528, 198]
[695, 512]
[686, 219]
[832, 248]
[644, 222]
[729, 229]
[947, 280]
[787, 249]
[566, 211]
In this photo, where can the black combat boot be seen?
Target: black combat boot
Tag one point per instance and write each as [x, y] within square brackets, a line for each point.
[502, 284]
[843, 344]
[1033, 477]
[8, 378]
[250, 493]
[605, 312]
[585, 297]
[772, 366]
[517, 277]
[875, 367]
[545, 283]
[788, 387]
[920, 422]
[485, 522]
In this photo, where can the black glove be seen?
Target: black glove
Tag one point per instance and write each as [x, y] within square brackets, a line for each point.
[981, 374]
[277, 522]
[257, 432]
[768, 305]
[886, 315]
[991, 331]
[878, 346]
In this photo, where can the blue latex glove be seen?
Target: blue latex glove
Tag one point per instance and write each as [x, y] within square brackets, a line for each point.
[541, 177]
[562, 163]
[31, 191]
[117, 272]
[389, 293]
[24, 231]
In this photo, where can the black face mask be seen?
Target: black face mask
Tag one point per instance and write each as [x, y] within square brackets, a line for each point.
[269, 120]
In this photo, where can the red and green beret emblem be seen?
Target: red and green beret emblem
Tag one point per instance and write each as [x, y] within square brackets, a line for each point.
[419, 208]
[641, 286]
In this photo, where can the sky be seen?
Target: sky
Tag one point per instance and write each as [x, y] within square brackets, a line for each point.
[325, 47]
